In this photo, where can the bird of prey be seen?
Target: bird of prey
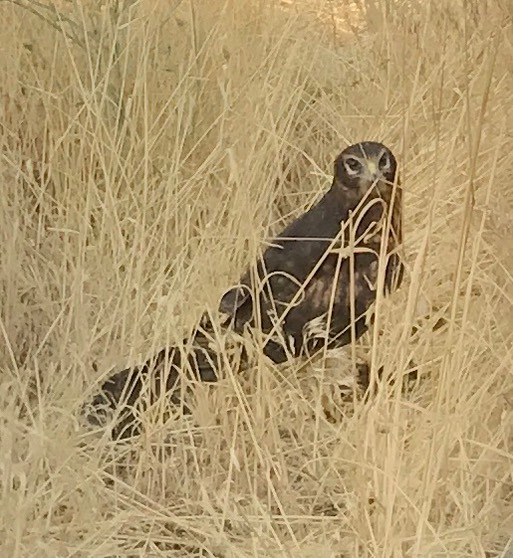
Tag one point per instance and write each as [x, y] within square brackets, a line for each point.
[313, 287]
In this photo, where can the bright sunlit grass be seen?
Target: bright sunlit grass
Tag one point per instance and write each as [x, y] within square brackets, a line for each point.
[148, 151]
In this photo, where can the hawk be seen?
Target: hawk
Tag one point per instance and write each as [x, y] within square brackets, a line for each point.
[314, 286]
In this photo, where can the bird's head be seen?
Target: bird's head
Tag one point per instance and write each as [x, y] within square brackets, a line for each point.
[367, 168]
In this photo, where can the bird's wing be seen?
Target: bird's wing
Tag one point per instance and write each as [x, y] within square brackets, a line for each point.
[234, 298]
[288, 260]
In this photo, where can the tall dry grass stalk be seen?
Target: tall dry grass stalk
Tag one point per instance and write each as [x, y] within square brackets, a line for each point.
[148, 149]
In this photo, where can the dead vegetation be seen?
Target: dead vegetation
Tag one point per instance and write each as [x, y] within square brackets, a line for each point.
[147, 150]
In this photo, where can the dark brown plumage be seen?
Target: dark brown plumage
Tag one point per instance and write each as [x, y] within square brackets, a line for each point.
[314, 286]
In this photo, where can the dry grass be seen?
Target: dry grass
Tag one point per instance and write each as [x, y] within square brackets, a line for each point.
[147, 150]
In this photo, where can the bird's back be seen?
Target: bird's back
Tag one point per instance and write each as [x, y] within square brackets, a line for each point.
[288, 260]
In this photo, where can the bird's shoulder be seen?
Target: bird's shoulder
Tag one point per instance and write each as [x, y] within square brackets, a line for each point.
[321, 221]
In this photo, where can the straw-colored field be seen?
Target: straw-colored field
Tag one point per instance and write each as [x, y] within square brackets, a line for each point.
[148, 149]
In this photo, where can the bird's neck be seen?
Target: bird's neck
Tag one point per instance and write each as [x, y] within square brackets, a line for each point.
[343, 200]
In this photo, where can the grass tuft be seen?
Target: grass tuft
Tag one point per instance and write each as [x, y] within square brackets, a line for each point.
[148, 149]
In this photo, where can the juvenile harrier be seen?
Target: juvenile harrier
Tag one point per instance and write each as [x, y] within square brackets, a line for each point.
[314, 286]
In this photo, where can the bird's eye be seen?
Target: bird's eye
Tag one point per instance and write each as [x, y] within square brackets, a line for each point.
[353, 166]
[384, 162]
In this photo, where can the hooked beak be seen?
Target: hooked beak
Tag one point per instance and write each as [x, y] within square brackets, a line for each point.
[374, 173]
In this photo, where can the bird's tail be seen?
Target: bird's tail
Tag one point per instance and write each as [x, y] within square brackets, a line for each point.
[126, 393]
